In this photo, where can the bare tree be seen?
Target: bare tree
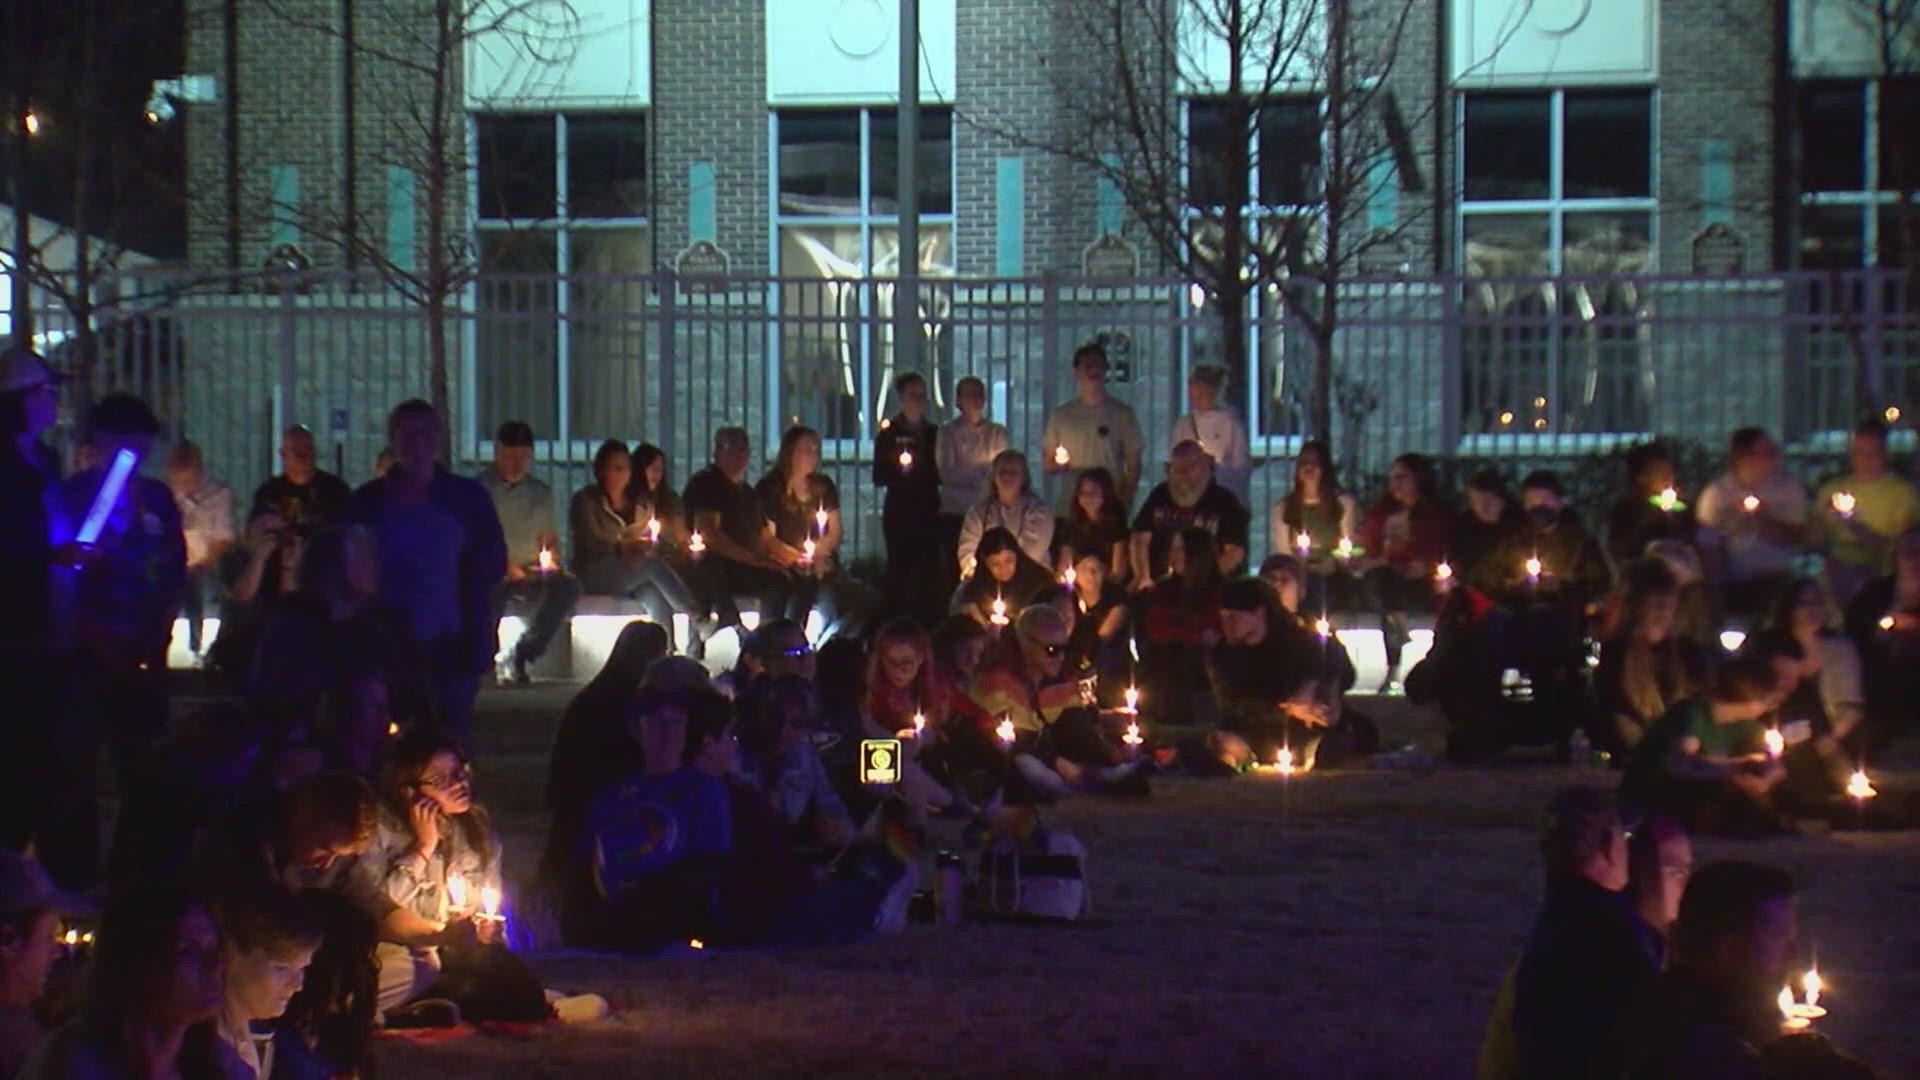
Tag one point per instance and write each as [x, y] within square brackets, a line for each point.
[1239, 206]
[412, 56]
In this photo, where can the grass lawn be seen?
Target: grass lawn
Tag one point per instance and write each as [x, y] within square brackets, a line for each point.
[1357, 927]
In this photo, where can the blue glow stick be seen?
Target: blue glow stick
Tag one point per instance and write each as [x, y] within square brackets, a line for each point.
[118, 474]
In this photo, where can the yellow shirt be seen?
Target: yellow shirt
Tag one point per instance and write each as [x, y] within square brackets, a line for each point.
[1885, 505]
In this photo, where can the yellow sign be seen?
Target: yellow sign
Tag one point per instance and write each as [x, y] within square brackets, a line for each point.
[880, 761]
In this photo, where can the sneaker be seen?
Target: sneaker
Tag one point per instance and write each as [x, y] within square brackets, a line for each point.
[1039, 776]
[892, 916]
[579, 1008]
[518, 669]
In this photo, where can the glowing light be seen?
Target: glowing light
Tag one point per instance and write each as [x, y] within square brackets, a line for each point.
[1443, 572]
[1303, 543]
[653, 530]
[1005, 731]
[1283, 760]
[806, 551]
[1061, 457]
[490, 902]
[1540, 423]
[1069, 579]
[457, 892]
[1197, 296]
[1859, 788]
[696, 944]
[1132, 698]
[108, 496]
[72, 938]
[1133, 736]
[906, 459]
[1750, 504]
[1323, 628]
[1811, 984]
[32, 122]
[998, 617]
[1893, 414]
[1343, 549]
[1668, 500]
[1776, 742]
[546, 560]
[1843, 503]
[1506, 418]
[1886, 622]
[919, 724]
[1731, 640]
[696, 543]
[1788, 1009]
[1539, 403]
[1533, 568]
[393, 729]
[820, 520]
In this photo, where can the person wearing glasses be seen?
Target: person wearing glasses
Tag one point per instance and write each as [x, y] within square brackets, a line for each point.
[778, 715]
[1659, 861]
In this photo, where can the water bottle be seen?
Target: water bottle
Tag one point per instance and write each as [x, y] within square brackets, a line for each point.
[949, 889]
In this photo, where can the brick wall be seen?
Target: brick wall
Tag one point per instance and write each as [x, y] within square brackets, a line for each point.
[1716, 82]
[710, 104]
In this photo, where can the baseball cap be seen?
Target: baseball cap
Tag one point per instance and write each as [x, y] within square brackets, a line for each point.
[23, 886]
[23, 369]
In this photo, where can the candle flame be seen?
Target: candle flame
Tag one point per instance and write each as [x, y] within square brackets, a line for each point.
[1843, 503]
[806, 551]
[1731, 640]
[1669, 499]
[1132, 737]
[1303, 541]
[1533, 566]
[73, 938]
[1750, 503]
[1443, 572]
[1283, 760]
[1005, 730]
[456, 892]
[1069, 579]
[1776, 742]
[1812, 984]
[1132, 697]
[1886, 622]
[653, 529]
[1323, 628]
[1060, 455]
[696, 542]
[490, 901]
[696, 944]
[906, 459]
[919, 723]
[820, 519]
[1344, 549]
[546, 559]
[1859, 787]
[393, 729]
[1786, 1002]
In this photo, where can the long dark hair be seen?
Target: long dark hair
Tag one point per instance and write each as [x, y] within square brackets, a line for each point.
[1198, 546]
[1329, 480]
[137, 947]
[407, 760]
[643, 457]
[605, 454]
[789, 442]
[1426, 478]
[1110, 506]
[755, 711]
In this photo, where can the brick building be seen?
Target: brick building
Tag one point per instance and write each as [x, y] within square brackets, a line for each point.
[1626, 141]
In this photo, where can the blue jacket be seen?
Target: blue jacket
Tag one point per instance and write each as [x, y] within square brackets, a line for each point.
[483, 557]
[1589, 957]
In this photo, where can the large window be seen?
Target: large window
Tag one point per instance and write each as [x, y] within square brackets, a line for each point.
[837, 219]
[1859, 173]
[1279, 145]
[1555, 183]
[560, 219]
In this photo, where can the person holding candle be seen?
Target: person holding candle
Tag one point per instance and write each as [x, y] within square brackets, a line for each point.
[206, 523]
[441, 554]
[1650, 508]
[1010, 504]
[1753, 524]
[1403, 537]
[152, 996]
[1179, 621]
[742, 557]
[1705, 760]
[906, 465]
[968, 446]
[1644, 668]
[1317, 511]
[1861, 513]
[614, 550]
[1216, 428]
[1100, 618]
[1093, 430]
[1266, 672]
[1002, 574]
[1480, 532]
[524, 504]
[909, 699]
[803, 504]
[1188, 499]
[1883, 621]
[1096, 525]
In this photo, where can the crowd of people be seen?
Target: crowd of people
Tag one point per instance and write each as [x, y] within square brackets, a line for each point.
[327, 844]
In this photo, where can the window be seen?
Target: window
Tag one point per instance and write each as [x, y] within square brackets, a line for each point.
[1278, 143]
[837, 218]
[1555, 184]
[560, 209]
[1859, 172]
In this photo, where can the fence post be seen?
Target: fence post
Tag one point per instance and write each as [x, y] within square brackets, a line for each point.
[1449, 317]
[1049, 330]
[668, 288]
[289, 395]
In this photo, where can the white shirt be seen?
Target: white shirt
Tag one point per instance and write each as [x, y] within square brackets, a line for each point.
[1724, 519]
[1221, 434]
[1029, 520]
[965, 453]
[1105, 436]
[206, 519]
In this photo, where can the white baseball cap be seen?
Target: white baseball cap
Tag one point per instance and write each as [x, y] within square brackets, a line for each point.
[23, 369]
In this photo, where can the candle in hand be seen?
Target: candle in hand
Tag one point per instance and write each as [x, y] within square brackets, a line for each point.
[1069, 578]
[1859, 788]
[1005, 731]
[1668, 500]
[1132, 737]
[1886, 622]
[806, 551]
[1776, 742]
[1323, 628]
[696, 543]
[490, 902]
[457, 892]
[1343, 549]
[820, 520]
[546, 560]
[1132, 699]
[653, 530]
[999, 613]
[919, 724]
[1060, 456]
[1750, 504]
[906, 459]
[1443, 572]
[1283, 761]
[1789, 1020]
[1843, 503]
[1533, 569]
[1303, 543]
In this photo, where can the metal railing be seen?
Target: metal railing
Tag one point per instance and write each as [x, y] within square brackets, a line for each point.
[1523, 370]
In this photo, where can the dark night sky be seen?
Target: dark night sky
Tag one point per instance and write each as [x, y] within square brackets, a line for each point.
[133, 194]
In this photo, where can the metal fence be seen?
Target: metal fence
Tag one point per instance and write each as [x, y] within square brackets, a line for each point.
[1519, 370]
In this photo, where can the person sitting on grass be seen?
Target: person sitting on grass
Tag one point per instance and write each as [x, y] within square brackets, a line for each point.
[594, 745]
[778, 715]
[1095, 525]
[28, 924]
[1705, 761]
[1266, 673]
[1823, 703]
[1002, 575]
[1099, 626]
[1288, 577]
[643, 871]
[1883, 620]
[1659, 861]
[959, 643]
[151, 998]
[267, 942]
[903, 686]
[1644, 669]
[1179, 620]
[435, 851]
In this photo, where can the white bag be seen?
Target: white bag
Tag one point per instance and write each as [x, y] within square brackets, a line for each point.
[1049, 882]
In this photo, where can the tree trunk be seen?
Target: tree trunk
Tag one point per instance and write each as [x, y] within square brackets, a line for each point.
[440, 280]
[22, 306]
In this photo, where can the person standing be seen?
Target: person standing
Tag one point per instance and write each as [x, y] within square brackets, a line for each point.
[34, 636]
[206, 520]
[302, 499]
[1094, 430]
[442, 552]
[968, 445]
[535, 575]
[1215, 427]
[906, 463]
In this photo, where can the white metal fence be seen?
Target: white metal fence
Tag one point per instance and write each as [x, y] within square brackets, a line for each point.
[1521, 370]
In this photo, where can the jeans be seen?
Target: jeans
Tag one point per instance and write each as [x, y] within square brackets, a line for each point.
[781, 595]
[193, 604]
[1392, 596]
[552, 595]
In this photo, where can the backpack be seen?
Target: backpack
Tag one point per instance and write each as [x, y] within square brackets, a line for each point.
[1044, 880]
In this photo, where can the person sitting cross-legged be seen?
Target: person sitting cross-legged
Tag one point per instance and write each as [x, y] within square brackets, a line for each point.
[741, 555]
[779, 713]
[1705, 761]
[615, 546]
[1004, 581]
[535, 578]
[1265, 672]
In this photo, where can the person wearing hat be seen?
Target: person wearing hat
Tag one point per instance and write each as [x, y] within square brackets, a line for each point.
[524, 503]
[32, 515]
[28, 924]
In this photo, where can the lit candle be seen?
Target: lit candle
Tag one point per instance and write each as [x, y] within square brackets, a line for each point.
[1303, 543]
[906, 459]
[1731, 640]
[820, 520]
[1750, 504]
[1132, 699]
[1061, 457]
[1776, 742]
[696, 944]
[1283, 761]
[1788, 1018]
[1005, 731]
[457, 892]
[1859, 788]
[1668, 500]
[1843, 503]
[1343, 549]
[919, 724]
[696, 543]
[1132, 736]
[393, 729]
[999, 615]
[1324, 628]
[1443, 572]
[546, 560]
[490, 904]
[1811, 984]
[1533, 569]
[72, 938]
[1069, 578]
[1886, 622]
[653, 530]
[806, 551]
